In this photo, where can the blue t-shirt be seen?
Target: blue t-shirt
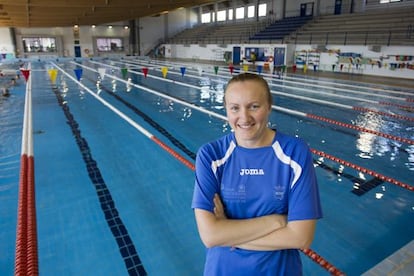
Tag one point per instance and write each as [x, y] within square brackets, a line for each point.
[252, 182]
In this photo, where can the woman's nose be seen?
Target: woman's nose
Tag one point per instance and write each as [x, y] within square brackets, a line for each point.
[244, 113]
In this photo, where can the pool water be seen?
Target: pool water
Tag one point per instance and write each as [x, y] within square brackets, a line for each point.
[110, 200]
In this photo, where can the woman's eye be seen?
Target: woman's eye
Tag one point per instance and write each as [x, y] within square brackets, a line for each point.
[234, 108]
[255, 106]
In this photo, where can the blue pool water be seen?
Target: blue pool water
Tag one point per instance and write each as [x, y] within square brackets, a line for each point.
[110, 200]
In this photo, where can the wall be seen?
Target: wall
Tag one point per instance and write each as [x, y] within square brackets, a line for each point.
[156, 29]
[214, 53]
[88, 37]
[371, 62]
[66, 39]
[6, 44]
[58, 33]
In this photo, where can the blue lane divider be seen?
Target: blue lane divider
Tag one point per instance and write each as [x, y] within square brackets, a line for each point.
[126, 246]
[154, 124]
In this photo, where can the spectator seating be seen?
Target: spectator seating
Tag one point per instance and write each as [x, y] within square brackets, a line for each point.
[281, 28]
[377, 27]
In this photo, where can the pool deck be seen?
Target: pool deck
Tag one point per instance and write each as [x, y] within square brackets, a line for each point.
[399, 263]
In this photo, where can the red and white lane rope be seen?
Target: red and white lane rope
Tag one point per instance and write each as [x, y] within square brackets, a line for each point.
[364, 170]
[396, 116]
[26, 259]
[331, 121]
[285, 110]
[330, 103]
[405, 107]
[322, 262]
[362, 129]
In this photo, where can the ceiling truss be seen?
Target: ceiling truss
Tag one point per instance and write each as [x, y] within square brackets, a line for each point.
[61, 13]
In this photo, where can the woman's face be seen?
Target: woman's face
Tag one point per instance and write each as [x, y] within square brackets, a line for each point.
[248, 110]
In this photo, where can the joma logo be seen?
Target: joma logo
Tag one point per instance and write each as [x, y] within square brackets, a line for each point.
[251, 172]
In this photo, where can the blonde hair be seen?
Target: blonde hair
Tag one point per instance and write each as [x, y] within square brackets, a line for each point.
[251, 77]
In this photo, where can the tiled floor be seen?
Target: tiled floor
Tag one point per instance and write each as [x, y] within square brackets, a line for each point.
[400, 263]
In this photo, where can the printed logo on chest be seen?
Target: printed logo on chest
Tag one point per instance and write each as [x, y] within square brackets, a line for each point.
[251, 172]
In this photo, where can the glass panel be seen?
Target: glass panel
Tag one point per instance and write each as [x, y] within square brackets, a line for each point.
[39, 44]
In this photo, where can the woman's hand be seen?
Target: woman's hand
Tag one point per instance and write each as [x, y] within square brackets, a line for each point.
[216, 229]
[219, 208]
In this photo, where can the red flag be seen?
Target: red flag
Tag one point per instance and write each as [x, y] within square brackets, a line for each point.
[25, 73]
[145, 71]
[231, 68]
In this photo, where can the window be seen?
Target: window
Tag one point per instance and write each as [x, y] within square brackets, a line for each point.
[240, 13]
[39, 44]
[250, 11]
[112, 44]
[221, 15]
[230, 14]
[206, 17]
[262, 10]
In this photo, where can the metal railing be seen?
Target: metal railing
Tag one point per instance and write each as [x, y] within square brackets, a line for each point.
[395, 37]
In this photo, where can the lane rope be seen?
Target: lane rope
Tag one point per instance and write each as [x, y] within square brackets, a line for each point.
[405, 107]
[393, 181]
[396, 116]
[361, 109]
[358, 128]
[26, 251]
[322, 262]
[364, 170]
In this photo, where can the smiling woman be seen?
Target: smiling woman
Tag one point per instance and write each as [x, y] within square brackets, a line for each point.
[256, 197]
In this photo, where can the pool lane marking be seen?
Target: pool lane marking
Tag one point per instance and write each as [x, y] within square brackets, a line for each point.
[396, 182]
[325, 264]
[140, 73]
[333, 88]
[150, 121]
[382, 113]
[125, 117]
[191, 65]
[345, 83]
[401, 117]
[322, 262]
[193, 106]
[362, 129]
[26, 243]
[277, 92]
[356, 108]
[318, 259]
[363, 186]
[345, 125]
[347, 90]
[271, 77]
[324, 119]
[119, 231]
[364, 170]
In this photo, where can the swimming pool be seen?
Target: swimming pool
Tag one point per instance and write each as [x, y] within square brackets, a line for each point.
[110, 200]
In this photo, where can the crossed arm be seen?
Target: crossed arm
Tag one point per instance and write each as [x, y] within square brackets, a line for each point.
[271, 232]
